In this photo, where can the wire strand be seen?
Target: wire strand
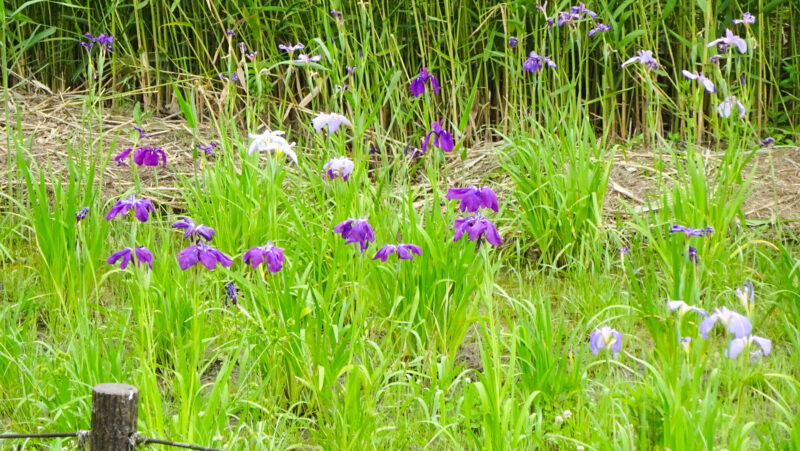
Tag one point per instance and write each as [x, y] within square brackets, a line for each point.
[144, 440]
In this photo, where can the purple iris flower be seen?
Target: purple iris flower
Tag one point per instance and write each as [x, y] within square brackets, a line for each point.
[512, 42]
[233, 77]
[142, 134]
[600, 28]
[693, 256]
[81, 215]
[624, 251]
[725, 108]
[127, 254]
[208, 149]
[644, 57]
[535, 62]
[477, 226]
[417, 85]
[413, 152]
[473, 198]
[737, 345]
[580, 11]
[337, 15]
[291, 48]
[542, 7]
[122, 156]
[742, 80]
[191, 229]
[305, 59]
[689, 231]
[726, 42]
[230, 32]
[746, 19]
[441, 138]
[252, 55]
[737, 324]
[105, 41]
[714, 59]
[403, 251]
[339, 167]
[268, 253]
[708, 84]
[605, 337]
[768, 141]
[565, 18]
[243, 47]
[684, 308]
[142, 208]
[356, 231]
[351, 70]
[232, 292]
[148, 156]
[203, 253]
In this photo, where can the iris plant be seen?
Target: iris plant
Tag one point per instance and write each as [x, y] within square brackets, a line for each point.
[473, 198]
[203, 253]
[403, 251]
[142, 208]
[339, 167]
[737, 324]
[441, 138]
[191, 229]
[729, 40]
[644, 57]
[417, 85]
[332, 120]
[725, 108]
[126, 255]
[747, 19]
[605, 337]
[683, 308]
[268, 253]
[708, 84]
[105, 41]
[356, 231]
[535, 62]
[476, 227]
[737, 345]
[272, 141]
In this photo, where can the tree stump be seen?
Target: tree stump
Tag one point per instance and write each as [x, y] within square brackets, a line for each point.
[115, 410]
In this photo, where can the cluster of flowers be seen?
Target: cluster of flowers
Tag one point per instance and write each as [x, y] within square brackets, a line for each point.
[692, 232]
[723, 44]
[144, 155]
[737, 324]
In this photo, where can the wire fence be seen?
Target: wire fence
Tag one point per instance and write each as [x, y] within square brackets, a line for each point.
[114, 417]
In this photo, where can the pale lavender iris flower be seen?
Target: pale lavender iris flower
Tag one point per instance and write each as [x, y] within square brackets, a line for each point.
[291, 48]
[683, 308]
[305, 59]
[729, 40]
[737, 345]
[605, 338]
[725, 108]
[747, 19]
[339, 167]
[600, 28]
[737, 324]
[332, 120]
[643, 57]
[707, 84]
[689, 231]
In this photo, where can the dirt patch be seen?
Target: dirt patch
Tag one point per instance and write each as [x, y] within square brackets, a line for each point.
[634, 181]
[55, 123]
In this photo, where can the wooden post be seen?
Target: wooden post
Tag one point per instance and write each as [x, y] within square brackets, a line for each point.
[115, 410]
